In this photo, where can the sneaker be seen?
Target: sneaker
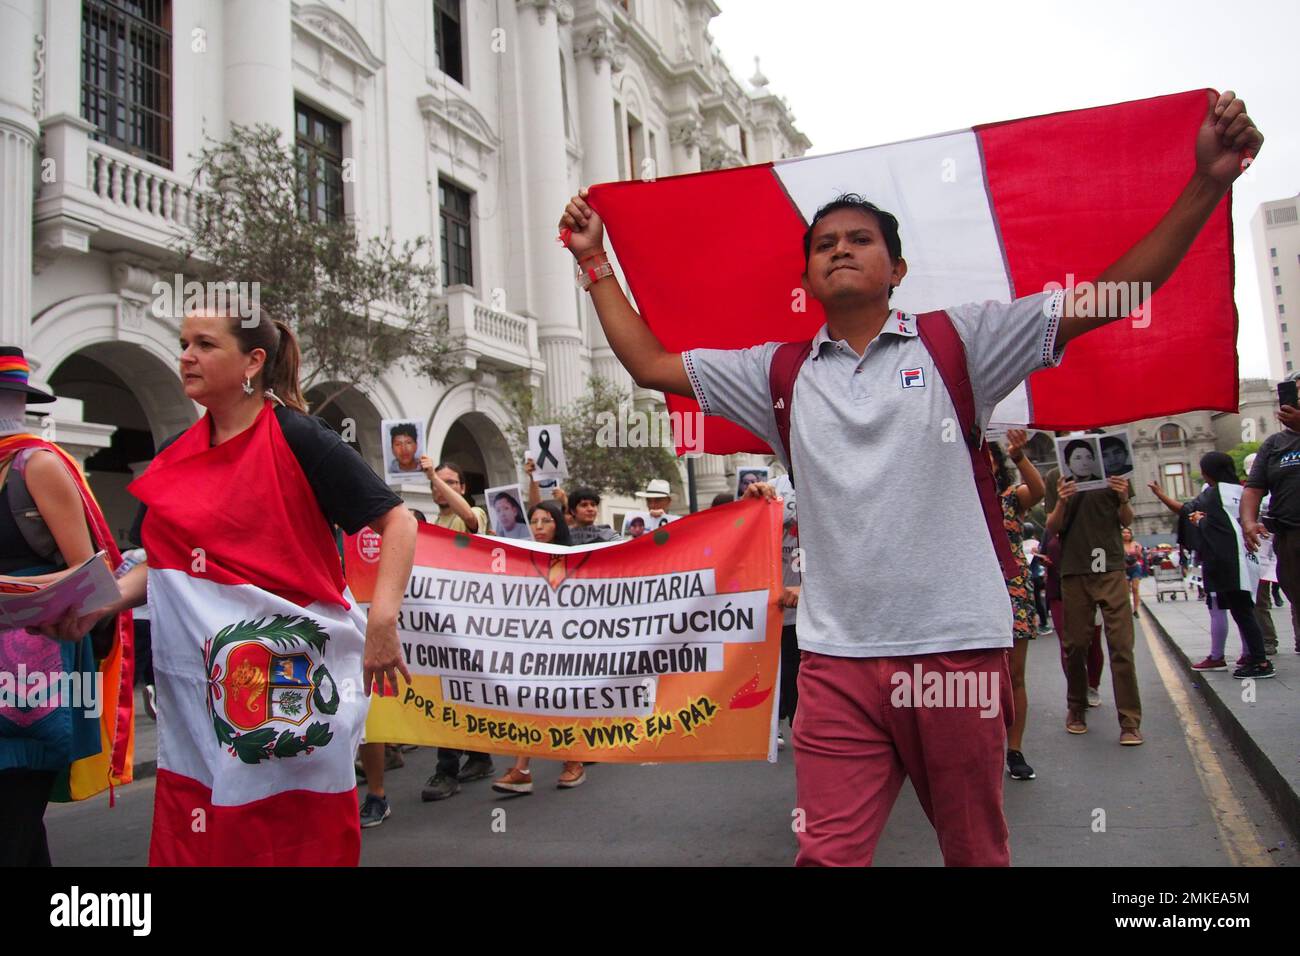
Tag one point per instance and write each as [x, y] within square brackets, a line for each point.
[1044, 629]
[374, 811]
[1256, 669]
[475, 768]
[439, 787]
[151, 701]
[1135, 613]
[1094, 697]
[1130, 738]
[520, 781]
[1270, 650]
[1211, 664]
[780, 741]
[1075, 724]
[572, 775]
[1016, 766]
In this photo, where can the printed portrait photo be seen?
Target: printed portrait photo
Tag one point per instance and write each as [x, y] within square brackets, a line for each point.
[1116, 454]
[637, 523]
[403, 443]
[1080, 459]
[749, 476]
[505, 508]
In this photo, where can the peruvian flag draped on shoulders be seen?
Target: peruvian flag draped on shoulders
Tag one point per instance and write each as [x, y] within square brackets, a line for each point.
[994, 212]
[257, 654]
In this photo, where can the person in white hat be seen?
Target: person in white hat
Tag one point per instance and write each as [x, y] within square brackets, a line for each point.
[658, 499]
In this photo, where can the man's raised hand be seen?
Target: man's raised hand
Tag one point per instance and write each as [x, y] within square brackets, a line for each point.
[1227, 137]
[586, 232]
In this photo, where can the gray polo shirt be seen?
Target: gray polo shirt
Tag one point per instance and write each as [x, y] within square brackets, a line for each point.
[896, 554]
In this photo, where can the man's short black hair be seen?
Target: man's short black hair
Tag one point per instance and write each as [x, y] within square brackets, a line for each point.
[405, 428]
[887, 222]
[583, 493]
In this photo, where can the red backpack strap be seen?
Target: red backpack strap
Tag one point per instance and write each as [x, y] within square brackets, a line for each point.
[787, 360]
[944, 344]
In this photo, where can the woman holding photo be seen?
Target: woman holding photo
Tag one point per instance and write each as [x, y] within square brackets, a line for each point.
[546, 518]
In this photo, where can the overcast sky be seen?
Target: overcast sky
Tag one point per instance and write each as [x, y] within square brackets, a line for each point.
[861, 73]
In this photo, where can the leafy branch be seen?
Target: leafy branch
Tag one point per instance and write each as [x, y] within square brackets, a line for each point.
[360, 306]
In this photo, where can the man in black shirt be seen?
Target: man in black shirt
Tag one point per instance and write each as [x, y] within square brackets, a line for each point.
[1276, 472]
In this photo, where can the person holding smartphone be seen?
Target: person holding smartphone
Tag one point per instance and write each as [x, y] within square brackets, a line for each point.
[1276, 472]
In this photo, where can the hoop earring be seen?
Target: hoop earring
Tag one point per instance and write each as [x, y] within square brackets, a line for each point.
[248, 386]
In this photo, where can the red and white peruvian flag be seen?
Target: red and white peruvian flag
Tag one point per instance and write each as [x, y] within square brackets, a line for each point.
[993, 212]
[257, 652]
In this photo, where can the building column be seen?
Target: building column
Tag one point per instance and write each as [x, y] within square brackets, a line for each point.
[18, 133]
[545, 185]
[257, 47]
[598, 57]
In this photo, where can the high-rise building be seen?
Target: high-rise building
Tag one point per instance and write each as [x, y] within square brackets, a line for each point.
[1275, 230]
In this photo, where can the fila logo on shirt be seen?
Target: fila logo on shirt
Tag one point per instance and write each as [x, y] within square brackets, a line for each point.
[912, 377]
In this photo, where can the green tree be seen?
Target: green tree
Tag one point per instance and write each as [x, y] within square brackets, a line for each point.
[593, 459]
[360, 306]
[1240, 453]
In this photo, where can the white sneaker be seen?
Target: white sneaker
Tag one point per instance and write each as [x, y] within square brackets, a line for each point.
[151, 701]
[1094, 697]
[780, 741]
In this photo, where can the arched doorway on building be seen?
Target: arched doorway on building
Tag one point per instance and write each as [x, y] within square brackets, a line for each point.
[476, 444]
[123, 385]
[353, 416]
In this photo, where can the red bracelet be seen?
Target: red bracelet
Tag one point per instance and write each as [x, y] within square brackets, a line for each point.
[592, 255]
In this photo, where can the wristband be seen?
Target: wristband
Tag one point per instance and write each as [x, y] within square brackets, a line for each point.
[589, 277]
[599, 253]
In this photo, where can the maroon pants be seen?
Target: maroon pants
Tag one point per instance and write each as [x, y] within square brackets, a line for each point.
[1096, 660]
[866, 723]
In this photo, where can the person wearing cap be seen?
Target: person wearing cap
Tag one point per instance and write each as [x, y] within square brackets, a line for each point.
[49, 522]
[658, 499]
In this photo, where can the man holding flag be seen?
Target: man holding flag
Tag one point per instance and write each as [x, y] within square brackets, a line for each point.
[873, 426]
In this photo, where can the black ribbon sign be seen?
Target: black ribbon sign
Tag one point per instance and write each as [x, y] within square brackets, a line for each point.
[544, 449]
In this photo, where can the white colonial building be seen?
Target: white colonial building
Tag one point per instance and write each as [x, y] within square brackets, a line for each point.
[470, 121]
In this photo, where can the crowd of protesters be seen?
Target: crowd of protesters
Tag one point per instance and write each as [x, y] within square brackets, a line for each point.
[849, 588]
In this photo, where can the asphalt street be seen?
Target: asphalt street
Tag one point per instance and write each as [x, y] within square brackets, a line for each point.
[1093, 803]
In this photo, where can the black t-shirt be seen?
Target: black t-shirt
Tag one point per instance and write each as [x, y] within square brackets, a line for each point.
[1220, 568]
[1277, 472]
[347, 491]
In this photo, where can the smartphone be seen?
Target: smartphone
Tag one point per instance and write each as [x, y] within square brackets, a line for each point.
[1287, 394]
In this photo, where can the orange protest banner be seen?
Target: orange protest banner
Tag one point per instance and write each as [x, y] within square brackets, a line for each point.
[664, 648]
